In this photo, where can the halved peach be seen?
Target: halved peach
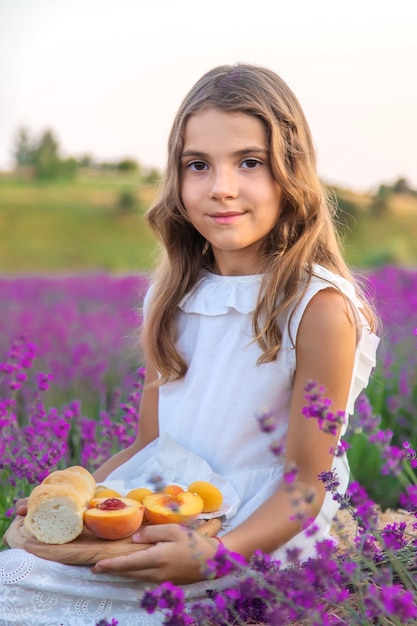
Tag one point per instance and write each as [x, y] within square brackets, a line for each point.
[113, 518]
[161, 508]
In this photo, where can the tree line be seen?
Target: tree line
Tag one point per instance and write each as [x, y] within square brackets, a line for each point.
[40, 158]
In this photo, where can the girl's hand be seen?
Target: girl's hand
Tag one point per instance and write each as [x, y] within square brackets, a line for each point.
[177, 554]
[21, 506]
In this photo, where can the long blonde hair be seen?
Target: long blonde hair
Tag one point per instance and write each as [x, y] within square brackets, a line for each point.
[305, 233]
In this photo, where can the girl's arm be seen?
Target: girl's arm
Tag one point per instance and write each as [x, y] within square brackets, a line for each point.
[147, 428]
[325, 352]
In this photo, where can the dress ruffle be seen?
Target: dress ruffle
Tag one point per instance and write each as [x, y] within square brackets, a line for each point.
[320, 272]
[366, 362]
[216, 295]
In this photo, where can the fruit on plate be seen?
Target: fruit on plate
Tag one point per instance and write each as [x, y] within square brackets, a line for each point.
[139, 493]
[210, 494]
[162, 508]
[106, 492]
[113, 518]
[173, 490]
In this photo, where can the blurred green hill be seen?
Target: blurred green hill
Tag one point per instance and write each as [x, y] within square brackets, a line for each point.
[381, 228]
[94, 222]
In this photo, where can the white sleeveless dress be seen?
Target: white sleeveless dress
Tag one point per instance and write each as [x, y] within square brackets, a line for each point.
[208, 431]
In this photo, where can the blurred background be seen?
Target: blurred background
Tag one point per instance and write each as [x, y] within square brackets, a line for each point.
[89, 89]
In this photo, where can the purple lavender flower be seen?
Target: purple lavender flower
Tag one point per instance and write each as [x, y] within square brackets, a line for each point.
[394, 459]
[290, 474]
[319, 408]
[330, 480]
[267, 421]
[410, 454]
[394, 535]
[395, 601]
[169, 598]
[364, 419]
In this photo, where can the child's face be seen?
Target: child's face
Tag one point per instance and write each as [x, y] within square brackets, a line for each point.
[227, 186]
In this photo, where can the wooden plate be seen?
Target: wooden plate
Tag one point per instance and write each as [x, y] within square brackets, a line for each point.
[86, 549]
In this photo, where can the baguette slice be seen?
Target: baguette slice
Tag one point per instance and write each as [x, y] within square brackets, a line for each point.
[55, 513]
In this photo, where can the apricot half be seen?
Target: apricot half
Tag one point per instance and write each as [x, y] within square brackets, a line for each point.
[210, 494]
[113, 518]
[161, 508]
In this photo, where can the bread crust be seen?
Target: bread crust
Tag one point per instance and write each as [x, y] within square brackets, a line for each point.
[71, 480]
[55, 508]
[85, 475]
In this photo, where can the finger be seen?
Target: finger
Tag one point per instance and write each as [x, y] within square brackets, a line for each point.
[151, 575]
[155, 533]
[21, 505]
[21, 509]
[138, 560]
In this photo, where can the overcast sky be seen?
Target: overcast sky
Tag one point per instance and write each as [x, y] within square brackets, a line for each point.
[108, 75]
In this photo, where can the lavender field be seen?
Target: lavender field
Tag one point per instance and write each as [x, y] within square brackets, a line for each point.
[70, 377]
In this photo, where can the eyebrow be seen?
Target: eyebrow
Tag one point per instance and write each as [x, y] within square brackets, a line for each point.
[238, 153]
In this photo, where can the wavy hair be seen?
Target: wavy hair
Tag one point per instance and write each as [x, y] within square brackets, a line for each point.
[304, 234]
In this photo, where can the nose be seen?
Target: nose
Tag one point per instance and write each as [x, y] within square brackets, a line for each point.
[223, 184]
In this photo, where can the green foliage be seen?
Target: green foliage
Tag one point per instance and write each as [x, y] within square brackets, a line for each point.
[74, 226]
[95, 221]
[41, 157]
[403, 186]
[384, 199]
[380, 240]
[24, 150]
[11, 491]
[68, 168]
[380, 201]
[128, 165]
[346, 209]
[46, 157]
[152, 177]
[366, 464]
[127, 202]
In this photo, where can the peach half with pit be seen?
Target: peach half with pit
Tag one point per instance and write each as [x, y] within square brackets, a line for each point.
[163, 508]
[113, 518]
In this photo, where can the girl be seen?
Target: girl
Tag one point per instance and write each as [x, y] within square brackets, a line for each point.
[251, 302]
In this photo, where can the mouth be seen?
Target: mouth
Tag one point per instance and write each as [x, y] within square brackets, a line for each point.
[226, 218]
